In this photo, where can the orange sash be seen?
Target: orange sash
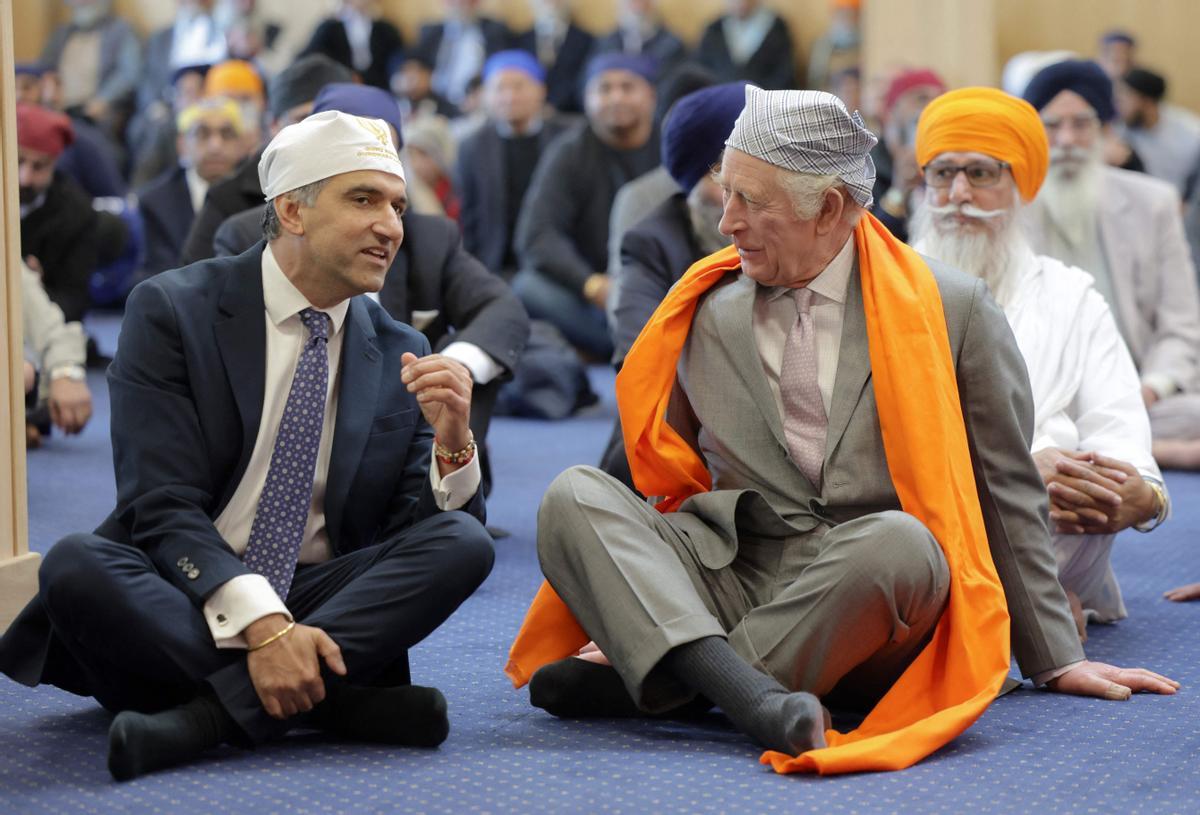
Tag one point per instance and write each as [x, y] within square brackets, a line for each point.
[953, 680]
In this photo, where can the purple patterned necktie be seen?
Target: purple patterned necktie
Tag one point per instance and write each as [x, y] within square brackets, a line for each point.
[804, 419]
[282, 513]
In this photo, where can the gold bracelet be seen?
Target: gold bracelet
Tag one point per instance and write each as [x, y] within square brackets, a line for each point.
[462, 456]
[273, 637]
[1150, 524]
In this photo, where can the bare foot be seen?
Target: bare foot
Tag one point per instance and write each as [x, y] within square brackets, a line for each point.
[1077, 613]
[1184, 593]
[1178, 455]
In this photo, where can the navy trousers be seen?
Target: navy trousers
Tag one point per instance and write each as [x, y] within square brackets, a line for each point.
[138, 643]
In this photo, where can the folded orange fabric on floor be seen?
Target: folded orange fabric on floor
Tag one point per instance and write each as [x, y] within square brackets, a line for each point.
[953, 680]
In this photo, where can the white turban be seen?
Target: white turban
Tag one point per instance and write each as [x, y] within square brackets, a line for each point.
[807, 132]
[323, 145]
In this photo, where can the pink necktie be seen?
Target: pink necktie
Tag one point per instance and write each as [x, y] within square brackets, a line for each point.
[804, 418]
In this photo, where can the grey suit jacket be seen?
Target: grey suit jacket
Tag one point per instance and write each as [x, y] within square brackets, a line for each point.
[1153, 277]
[724, 405]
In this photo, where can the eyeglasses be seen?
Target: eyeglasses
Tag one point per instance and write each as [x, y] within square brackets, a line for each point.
[940, 175]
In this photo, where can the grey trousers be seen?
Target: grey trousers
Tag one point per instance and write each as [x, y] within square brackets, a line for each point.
[1176, 417]
[845, 608]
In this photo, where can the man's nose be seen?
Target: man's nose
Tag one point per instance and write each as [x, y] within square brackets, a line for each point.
[960, 188]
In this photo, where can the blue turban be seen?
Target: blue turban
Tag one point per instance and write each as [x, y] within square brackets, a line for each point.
[360, 100]
[645, 67]
[1085, 78]
[29, 69]
[696, 129]
[515, 59]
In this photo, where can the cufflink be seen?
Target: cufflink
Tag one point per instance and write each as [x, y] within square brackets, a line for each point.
[221, 619]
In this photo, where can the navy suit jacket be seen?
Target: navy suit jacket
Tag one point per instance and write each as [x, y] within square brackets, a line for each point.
[187, 387]
[166, 207]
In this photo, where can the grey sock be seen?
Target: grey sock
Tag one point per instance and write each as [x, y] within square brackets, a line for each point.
[759, 706]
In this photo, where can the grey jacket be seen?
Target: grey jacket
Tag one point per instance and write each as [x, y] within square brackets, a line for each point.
[724, 406]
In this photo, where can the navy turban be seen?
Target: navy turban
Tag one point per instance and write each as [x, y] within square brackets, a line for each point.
[360, 100]
[515, 59]
[644, 67]
[1147, 83]
[1085, 78]
[696, 129]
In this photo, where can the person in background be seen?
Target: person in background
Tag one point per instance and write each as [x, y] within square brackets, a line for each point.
[562, 47]
[457, 46]
[56, 352]
[358, 38]
[985, 155]
[640, 30]
[99, 59]
[897, 174]
[91, 159]
[1126, 230]
[290, 96]
[496, 162]
[62, 236]
[430, 151]
[838, 49]
[562, 231]
[211, 144]
[151, 133]
[1165, 137]
[193, 38]
[411, 82]
[1118, 53]
[749, 42]
[240, 81]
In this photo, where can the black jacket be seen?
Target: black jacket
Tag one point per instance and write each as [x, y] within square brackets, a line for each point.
[330, 39]
[772, 67]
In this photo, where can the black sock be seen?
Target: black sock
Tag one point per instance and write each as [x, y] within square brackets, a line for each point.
[140, 743]
[577, 689]
[759, 706]
[405, 715]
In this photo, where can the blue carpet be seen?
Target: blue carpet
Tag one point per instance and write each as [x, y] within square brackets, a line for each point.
[1031, 751]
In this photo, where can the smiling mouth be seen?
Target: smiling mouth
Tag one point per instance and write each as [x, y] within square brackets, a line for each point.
[377, 253]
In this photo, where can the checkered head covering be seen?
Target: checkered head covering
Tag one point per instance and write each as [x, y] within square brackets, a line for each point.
[807, 132]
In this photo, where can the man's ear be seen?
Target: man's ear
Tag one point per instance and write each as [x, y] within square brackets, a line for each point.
[833, 208]
[287, 209]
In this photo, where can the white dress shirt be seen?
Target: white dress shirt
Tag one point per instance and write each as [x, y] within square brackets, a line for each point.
[197, 188]
[247, 598]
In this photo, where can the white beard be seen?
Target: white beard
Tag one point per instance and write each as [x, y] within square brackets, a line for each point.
[991, 253]
[1070, 195]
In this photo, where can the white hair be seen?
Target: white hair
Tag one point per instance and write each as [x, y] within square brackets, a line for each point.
[807, 192]
[306, 196]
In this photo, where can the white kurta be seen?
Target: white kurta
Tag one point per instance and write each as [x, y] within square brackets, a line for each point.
[1086, 395]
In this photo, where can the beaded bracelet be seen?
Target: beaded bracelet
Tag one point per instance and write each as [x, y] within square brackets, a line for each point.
[462, 456]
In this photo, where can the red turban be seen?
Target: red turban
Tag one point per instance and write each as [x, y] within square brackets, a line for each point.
[43, 130]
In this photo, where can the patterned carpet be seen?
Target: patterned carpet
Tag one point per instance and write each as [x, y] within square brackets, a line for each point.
[1032, 751]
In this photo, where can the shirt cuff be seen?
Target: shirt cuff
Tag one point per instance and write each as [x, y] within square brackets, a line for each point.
[453, 491]
[1162, 384]
[1054, 673]
[237, 603]
[482, 367]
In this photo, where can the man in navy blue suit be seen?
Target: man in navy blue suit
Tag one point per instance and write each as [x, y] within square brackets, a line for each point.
[297, 490]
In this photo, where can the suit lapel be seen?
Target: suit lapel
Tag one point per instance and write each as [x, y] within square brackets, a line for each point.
[733, 313]
[242, 341]
[1113, 204]
[854, 365]
[360, 371]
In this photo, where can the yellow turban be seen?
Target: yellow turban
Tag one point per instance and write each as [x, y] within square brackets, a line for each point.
[988, 121]
[197, 111]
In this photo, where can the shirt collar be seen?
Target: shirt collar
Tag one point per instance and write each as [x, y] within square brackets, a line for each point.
[833, 280]
[284, 300]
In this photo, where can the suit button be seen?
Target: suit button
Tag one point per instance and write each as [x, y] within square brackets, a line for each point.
[182, 563]
[193, 574]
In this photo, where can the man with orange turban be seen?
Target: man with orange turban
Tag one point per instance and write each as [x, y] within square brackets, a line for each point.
[984, 155]
[838, 430]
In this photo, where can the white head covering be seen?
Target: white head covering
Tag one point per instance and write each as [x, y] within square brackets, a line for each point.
[807, 132]
[326, 144]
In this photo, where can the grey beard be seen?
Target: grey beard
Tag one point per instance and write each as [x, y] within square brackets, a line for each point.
[988, 254]
[705, 218]
[1071, 200]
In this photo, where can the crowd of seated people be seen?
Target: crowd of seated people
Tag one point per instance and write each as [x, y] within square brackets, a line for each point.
[557, 185]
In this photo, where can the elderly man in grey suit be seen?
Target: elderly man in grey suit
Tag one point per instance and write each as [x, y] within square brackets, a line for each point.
[798, 576]
[1126, 229]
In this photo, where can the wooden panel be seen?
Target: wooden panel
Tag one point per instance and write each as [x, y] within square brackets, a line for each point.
[1165, 30]
[955, 38]
[18, 569]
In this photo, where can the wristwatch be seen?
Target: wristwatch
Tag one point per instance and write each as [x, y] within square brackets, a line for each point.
[73, 372]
